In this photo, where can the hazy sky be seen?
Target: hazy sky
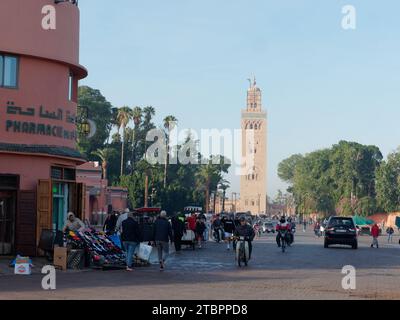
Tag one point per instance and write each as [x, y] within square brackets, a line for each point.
[320, 83]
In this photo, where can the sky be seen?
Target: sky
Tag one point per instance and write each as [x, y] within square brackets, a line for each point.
[321, 83]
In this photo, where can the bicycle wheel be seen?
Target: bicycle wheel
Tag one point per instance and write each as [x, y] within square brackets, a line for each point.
[283, 245]
[240, 255]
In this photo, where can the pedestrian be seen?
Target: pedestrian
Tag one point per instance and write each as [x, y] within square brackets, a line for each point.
[122, 217]
[162, 236]
[375, 234]
[304, 225]
[192, 221]
[390, 232]
[229, 229]
[199, 231]
[131, 239]
[178, 228]
[208, 228]
[110, 223]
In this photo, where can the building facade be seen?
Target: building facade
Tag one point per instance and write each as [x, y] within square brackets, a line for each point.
[100, 198]
[253, 181]
[39, 74]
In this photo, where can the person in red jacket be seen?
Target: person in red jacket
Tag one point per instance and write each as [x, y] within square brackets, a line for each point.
[192, 222]
[375, 234]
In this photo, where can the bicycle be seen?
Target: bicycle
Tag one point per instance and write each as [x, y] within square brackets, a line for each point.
[242, 251]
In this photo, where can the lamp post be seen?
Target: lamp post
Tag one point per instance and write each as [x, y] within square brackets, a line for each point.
[82, 121]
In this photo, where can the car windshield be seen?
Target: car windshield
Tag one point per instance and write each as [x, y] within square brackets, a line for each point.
[341, 222]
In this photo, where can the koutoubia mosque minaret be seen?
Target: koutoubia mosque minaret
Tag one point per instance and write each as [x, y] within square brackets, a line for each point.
[253, 181]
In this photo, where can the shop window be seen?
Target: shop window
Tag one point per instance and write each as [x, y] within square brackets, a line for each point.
[60, 173]
[9, 182]
[56, 173]
[69, 174]
[8, 71]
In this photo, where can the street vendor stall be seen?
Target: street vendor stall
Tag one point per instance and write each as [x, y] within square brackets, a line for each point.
[91, 248]
[363, 224]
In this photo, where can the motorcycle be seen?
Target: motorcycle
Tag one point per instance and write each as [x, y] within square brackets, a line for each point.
[283, 235]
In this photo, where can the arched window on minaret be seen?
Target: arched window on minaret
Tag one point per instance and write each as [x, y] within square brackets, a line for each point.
[251, 126]
[255, 126]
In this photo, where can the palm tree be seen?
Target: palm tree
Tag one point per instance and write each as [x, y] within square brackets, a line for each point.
[224, 185]
[137, 115]
[149, 113]
[169, 124]
[209, 176]
[125, 114]
[104, 155]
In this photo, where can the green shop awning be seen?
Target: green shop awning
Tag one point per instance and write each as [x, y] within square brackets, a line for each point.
[361, 221]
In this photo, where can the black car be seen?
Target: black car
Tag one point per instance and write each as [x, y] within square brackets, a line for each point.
[341, 230]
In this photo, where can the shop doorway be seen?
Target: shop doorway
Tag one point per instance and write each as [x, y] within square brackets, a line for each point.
[7, 221]
[60, 205]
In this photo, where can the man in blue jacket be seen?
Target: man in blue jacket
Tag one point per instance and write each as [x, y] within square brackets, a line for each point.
[131, 238]
[162, 236]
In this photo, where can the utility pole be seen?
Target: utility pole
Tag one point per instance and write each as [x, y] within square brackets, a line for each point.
[146, 191]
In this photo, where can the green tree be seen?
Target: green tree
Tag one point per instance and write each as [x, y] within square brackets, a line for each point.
[100, 112]
[388, 183]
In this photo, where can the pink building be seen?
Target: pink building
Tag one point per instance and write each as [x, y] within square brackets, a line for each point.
[99, 197]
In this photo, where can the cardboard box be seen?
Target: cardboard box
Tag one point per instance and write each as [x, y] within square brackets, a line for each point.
[22, 266]
[60, 258]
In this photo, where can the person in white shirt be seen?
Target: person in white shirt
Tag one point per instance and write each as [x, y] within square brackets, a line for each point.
[121, 218]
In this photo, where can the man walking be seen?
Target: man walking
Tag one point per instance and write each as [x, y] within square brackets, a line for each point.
[390, 232]
[131, 239]
[122, 217]
[178, 227]
[162, 235]
[375, 235]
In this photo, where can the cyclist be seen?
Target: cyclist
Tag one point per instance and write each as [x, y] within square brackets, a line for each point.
[217, 227]
[245, 230]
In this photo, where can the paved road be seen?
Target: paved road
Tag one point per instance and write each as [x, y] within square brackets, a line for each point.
[305, 271]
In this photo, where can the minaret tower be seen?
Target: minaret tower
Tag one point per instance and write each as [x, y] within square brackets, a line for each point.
[253, 182]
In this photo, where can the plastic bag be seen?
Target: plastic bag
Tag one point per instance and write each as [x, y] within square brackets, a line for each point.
[145, 251]
[116, 240]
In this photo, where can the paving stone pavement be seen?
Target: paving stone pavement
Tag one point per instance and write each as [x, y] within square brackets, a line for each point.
[305, 271]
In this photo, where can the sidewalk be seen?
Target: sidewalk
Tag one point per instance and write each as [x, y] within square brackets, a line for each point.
[5, 268]
[38, 264]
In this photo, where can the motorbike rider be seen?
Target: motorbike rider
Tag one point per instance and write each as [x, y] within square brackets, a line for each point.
[217, 227]
[245, 230]
[283, 225]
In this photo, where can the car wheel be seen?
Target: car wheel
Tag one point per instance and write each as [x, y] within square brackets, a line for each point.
[355, 245]
[326, 244]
